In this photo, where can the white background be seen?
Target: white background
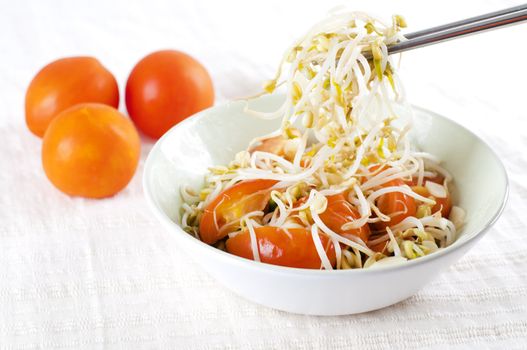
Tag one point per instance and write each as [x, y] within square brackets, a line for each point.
[86, 274]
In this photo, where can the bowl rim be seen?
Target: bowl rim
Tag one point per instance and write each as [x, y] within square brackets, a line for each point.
[247, 263]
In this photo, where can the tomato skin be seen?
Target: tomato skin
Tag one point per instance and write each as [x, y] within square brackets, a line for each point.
[379, 247]
[394, 202]
[276, 145]
[438, 179]
[278, 248]
[231, 204]
[273, 145]
[64, 83]
[164, 88]
[90, 150]
[443, 204]
[338, 212]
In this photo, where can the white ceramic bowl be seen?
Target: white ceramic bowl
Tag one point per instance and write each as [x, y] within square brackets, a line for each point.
[213, 136]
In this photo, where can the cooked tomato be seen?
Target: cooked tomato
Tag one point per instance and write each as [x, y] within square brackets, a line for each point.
[164, 88]
[292, 247]
[90, 150]
[395, 202]
[276, 145]
[442, 204]
[379, 247]
[273, 145]
[338, 212]
[438, 179]
[221, 214]
[64, 83]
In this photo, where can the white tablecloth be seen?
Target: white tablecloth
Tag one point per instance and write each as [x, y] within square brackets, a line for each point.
[86, 274]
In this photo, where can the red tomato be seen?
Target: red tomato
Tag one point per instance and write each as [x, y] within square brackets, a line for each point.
[338, 212]
[394, 202]
[230, 205]
[164, 88]
[294, 248]
[64, 83]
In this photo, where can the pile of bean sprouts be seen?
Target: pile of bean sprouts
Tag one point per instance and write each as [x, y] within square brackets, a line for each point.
[344, 112]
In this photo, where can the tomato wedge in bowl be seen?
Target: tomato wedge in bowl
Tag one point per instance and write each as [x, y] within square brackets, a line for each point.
[211, 137]
[294, 247]
[223, 213]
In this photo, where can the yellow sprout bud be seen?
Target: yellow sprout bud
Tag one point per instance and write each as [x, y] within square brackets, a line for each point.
[332, 141]
[389, 75]
[377, 59]
[291, 133]
[296, 93]
[293, 53]
[421, 190]
[399, 21]
[321, 43]
[423, 236]
[270, 86]
[370, 28]
[307, 120]
[219, 170]
[340, 97]
[423, 210]
[311, 153]
[344, 265]
[296, 191]
[204, 193]
[408, 233]
[392, 144]
[380, 150]
[310, 73]
[376, 51]
[408, 247]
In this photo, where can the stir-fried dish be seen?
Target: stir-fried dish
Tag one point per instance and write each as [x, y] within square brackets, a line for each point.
[338, 185]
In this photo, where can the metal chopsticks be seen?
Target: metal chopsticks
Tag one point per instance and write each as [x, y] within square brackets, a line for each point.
[454, 30]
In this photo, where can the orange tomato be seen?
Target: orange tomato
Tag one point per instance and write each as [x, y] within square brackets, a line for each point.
[338, 212]
[273, 145]
[164, 88]
[442, 204]
[90, 150]
[379, 247]
[438, 179]
[222, 213]
[293, 248]
[276, 144]
[64, 83]
[395, 202]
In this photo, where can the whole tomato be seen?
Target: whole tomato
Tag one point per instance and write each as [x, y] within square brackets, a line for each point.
[64, 83]
[90, 150]
[164, 88]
